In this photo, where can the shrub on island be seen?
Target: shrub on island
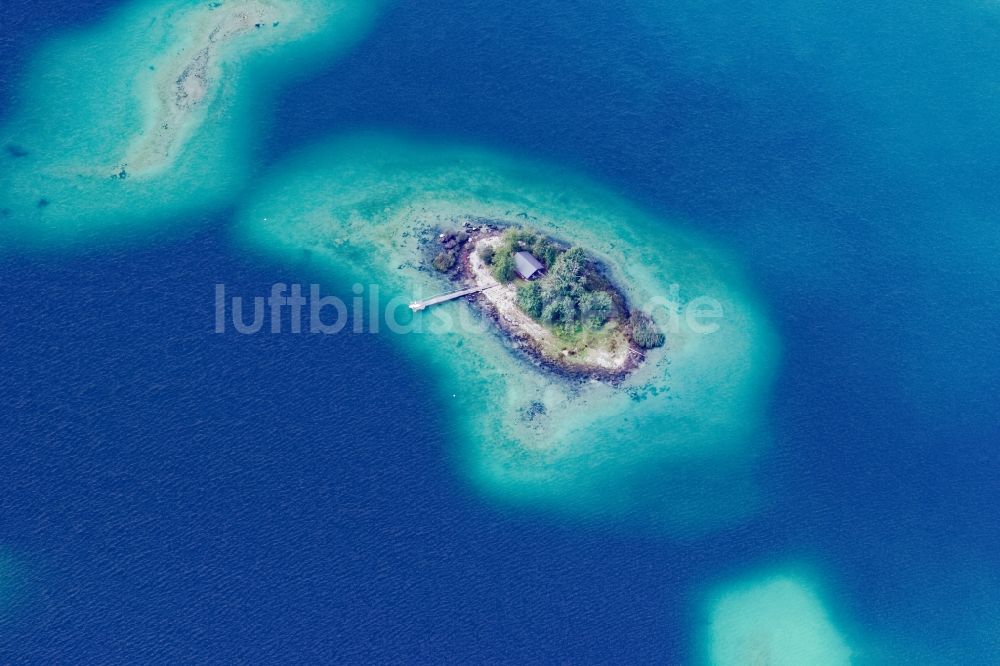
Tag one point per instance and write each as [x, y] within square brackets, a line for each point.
[529, 299]
[596, 307]
[503, 267]
[444, 261]
[645, 332]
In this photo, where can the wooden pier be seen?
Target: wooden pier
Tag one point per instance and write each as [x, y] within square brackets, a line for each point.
[417, 306]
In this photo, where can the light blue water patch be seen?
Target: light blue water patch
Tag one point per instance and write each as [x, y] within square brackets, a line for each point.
[778, 620]
[149, 115]
[11, 583]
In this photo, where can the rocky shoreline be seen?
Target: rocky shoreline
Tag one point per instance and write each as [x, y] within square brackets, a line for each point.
[461, 242]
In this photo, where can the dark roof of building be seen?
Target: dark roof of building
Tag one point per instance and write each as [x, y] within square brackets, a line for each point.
[526, 265]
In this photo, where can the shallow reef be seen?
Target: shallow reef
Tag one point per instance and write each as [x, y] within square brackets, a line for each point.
[668, 444]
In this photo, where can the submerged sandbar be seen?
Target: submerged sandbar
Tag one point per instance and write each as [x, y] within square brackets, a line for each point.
[147, 114]
[189, 74]
[777, 620]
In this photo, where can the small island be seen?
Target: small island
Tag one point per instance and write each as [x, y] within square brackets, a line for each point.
[525, 431]
[553, 299]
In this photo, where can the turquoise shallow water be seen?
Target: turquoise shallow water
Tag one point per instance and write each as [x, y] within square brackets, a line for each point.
[775, 620]
[359, 207]
[11, 580]
[845, 157]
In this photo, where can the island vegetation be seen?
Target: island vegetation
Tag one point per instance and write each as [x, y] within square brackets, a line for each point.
[451, 246]
[553, 297]
[572, 297]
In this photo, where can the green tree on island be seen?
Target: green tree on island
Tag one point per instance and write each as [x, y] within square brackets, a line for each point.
[444, 261]
[645, 332]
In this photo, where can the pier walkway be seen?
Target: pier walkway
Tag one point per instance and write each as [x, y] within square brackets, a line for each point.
[417, 306]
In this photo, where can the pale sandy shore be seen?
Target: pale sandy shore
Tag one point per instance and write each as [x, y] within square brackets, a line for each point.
[502, 300]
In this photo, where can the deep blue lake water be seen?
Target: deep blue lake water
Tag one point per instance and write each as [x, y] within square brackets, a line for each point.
[173, 495]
